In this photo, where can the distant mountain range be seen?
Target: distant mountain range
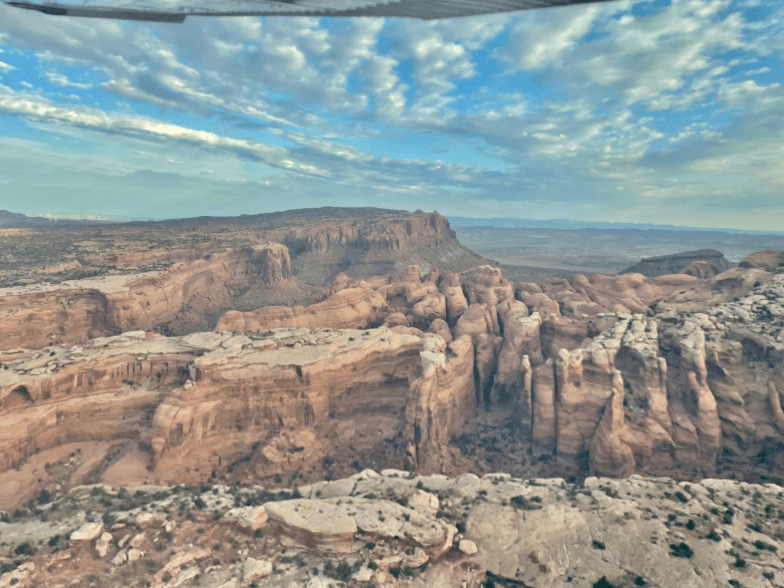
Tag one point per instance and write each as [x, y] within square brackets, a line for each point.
[521, 223]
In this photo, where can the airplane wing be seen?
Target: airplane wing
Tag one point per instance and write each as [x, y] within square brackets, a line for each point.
[175, 11]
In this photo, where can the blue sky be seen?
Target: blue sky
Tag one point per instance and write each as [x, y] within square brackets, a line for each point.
[664, 112]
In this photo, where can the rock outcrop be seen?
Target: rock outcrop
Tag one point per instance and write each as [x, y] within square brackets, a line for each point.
[100, 391]
[350, 308]
[401, 530]
[252, 388]
[712, 263]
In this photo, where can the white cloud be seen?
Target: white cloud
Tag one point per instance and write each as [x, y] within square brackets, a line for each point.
[61, 80]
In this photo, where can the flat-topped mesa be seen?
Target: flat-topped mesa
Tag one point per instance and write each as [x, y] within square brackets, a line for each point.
[288, 398]
[96, 392]
[75, 311]
[374, 243]
[676, 263]
[389, 234]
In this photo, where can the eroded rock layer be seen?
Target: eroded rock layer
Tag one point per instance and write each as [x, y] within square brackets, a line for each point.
[613, 375]
[74, 311]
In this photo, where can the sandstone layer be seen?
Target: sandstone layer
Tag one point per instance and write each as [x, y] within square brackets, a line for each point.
[75, 311]
[608, 374]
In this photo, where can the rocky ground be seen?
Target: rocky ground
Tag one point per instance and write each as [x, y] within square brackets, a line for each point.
[401, 529]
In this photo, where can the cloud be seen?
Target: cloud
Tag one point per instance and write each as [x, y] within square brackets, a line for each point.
[61, 80]
[590, 110]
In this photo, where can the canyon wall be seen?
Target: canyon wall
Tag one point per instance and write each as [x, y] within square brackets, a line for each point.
[612, 375]
[104, 390]
[74, 311]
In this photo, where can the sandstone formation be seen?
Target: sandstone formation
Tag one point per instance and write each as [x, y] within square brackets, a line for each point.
[350, 308]
[713, 260]
[74, 311]
[767, 260]
[610, 374]
[199, 402]
[370, 242]
[252, 387]
[100, 391]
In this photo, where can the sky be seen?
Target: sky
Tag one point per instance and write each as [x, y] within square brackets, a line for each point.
[659, 111]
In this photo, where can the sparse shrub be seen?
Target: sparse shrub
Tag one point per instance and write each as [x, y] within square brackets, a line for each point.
[8, 566]
[713, 536]
[44, 496]
[762, 546]
[681, 550]
[25, 548]
[343, 572]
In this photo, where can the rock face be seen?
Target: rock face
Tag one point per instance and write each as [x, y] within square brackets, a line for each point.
[100, 391]
[351, 308]
[373, 242]
[290, 379]
[712, 263]
[74, 311]
[610, 374]
[441, 402]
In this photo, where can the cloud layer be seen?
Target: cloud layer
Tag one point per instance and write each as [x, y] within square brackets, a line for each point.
[660, 112]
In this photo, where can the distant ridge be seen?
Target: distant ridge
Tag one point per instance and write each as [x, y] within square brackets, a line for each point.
[17, 220]
[521, 223]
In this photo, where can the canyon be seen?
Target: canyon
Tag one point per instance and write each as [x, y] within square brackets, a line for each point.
[675, 375]
[291, 352]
